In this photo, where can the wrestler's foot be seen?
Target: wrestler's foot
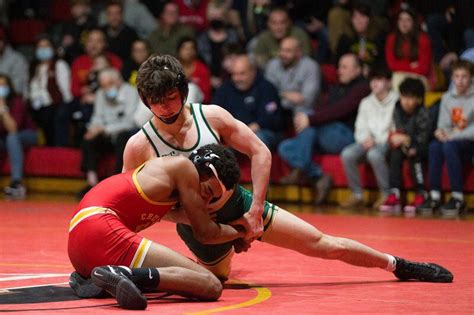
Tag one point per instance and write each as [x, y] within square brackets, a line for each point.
[428, 272]
[83, 287]
[119, 286]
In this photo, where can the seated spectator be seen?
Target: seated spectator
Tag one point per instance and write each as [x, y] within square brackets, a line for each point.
[328, 130]
[50, 87]
[193, 13]
[82, 86]
[111, 125]
[249, 17]
[250, 98]
[139, 52]
[17, 132]
[279, 26]
[231, 52]
[366, 41]
[339, 23]
[409, 140]
[13, 63]
[195, 70]
[296, 76]
[408, 50]
[119, 35]
[211, 42]
[372, 126]
[169, 32]
[454, 141]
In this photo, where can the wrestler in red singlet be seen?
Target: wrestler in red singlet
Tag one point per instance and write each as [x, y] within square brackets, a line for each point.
[109, 216]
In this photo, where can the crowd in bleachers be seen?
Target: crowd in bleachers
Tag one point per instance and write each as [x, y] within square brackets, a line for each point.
[306, 76]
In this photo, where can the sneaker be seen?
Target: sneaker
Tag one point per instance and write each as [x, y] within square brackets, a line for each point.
[391, 204]
[415, 204]
[353, 202]
[119, 286]
[296, 177]
[322, 188]
[427, 272]
[429, 206]
[15, 191]
[452, 208]
[84, 287]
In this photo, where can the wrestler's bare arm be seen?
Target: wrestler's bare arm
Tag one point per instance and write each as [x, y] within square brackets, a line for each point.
[137, 151]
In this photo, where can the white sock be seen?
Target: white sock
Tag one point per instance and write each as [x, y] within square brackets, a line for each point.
[457, 195]
[392, 263]
[435, 195]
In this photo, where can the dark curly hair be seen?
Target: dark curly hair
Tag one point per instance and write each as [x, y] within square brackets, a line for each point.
[157, 76]
[222, 158]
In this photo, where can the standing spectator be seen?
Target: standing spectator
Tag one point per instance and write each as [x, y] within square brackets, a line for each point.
[195, 70]
[454, 141]
[296, 76]
[250, 98]
[409, 140]
[13, 63]
[50, 87]
[193, 13]
[164, 39]
[329, 129]
[119, 35]
[17, 131]
[408, 49]
[279, 26]
[111, 125]
[139, 52]
[212, 41]
[372, 126]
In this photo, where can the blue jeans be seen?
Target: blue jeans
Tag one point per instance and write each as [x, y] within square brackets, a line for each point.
[328, 138]
[269, 137]
[453, 152]
[14, 143]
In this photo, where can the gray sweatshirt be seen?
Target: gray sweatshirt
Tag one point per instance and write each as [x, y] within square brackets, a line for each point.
[456, 114]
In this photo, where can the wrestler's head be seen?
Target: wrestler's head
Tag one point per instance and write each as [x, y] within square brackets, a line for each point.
[163, 87]
[218, 169]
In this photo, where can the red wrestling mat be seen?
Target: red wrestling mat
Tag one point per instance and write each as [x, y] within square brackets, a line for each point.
[34, 269]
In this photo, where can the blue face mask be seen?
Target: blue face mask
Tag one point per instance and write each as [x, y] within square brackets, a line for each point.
[44, 53]
[111, 94]
[4, 91]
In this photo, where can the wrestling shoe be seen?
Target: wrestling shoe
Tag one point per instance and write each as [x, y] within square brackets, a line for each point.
[83, 287]
[119, 286]
[427, 272]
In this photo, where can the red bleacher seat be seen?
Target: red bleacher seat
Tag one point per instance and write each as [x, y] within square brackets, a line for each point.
[25, 31]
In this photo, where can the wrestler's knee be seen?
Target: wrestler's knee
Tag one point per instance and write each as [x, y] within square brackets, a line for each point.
[212, 289]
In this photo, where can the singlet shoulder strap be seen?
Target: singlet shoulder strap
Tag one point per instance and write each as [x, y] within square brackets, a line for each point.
[202, 123]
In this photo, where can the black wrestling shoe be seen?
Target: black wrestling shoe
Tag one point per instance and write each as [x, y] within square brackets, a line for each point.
[83, 287]
[119, 286]
[427, 272]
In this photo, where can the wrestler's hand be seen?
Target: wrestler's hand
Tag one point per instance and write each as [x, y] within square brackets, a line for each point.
[253, 225]
[241, 245]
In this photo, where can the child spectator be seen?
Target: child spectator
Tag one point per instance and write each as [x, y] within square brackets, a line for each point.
[373, 122]
[454, 141]
[409, 140]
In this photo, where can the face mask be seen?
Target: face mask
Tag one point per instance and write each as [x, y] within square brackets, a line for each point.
[4, 91]
[216, 24]
[44, 53]
[111, 94]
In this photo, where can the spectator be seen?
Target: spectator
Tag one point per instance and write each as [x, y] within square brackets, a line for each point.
[366, 41]
[251, 16]
[408, 50]
[279, 26]
[454, 141]
[339, 23]
[82, 86]
[372, 126]
[250, 98]
[212, 41]
[409, 140]
[119, 35]
[193, 13]
[17, 131]
[195, 70]
[329, 129]
[111, 125]
[50, 87]
[296, 76]
[164, 39]
[70, 36]
[13, 63]
[231, 52]
[139, 52]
